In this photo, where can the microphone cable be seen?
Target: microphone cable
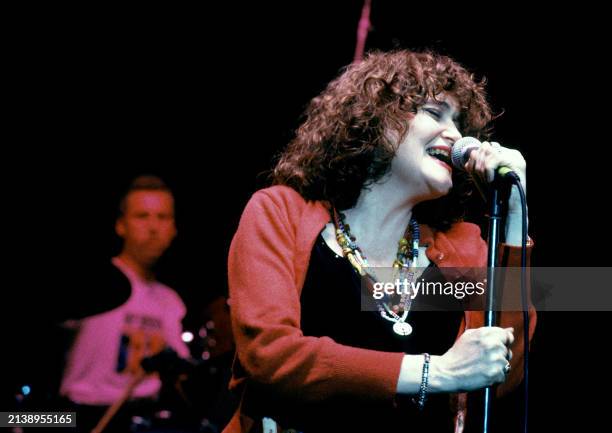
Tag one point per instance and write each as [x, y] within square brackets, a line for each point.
[524, 299]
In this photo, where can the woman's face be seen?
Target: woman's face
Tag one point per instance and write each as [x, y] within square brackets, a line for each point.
[422, 160]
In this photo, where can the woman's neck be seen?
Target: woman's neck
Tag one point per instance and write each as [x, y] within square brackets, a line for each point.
[379, 220]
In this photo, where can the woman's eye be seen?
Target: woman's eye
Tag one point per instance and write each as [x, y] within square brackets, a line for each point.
[435, 113]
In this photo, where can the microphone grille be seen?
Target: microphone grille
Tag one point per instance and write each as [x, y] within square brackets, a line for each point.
[460, 148]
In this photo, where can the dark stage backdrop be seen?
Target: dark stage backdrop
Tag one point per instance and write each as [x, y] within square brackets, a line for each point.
[206, 100]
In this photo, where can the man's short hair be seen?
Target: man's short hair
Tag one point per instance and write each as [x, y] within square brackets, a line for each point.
[142, 183]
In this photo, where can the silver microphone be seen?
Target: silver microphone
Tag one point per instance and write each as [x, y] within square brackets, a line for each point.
[462, 149]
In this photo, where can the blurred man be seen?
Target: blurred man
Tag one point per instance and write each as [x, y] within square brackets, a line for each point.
[107, 352]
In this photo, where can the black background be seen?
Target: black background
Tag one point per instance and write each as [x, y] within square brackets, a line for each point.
[205, 99]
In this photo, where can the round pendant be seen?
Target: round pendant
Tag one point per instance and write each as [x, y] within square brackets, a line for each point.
[402, 328]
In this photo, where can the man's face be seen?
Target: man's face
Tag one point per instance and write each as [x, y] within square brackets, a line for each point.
[147, 226]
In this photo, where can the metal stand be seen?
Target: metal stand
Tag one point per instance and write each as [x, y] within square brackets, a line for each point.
[498, 195]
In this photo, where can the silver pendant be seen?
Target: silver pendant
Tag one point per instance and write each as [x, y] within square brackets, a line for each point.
[402, 328]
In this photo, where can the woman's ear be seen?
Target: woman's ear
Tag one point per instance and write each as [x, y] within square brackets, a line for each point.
[120, 227]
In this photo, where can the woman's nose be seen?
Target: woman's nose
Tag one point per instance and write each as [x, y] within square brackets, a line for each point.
[451, 133]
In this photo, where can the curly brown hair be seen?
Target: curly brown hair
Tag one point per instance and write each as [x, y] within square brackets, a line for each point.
[343, 144]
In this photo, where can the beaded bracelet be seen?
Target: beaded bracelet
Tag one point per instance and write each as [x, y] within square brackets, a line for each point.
[420, 402]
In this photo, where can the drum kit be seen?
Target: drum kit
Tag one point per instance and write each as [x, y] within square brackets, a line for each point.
[194, 395]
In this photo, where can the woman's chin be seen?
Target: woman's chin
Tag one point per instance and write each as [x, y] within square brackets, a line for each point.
[441, 186]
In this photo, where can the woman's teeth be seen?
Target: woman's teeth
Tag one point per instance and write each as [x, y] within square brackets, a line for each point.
[442, 155]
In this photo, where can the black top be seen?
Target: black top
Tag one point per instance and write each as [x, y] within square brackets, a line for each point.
[331, 306]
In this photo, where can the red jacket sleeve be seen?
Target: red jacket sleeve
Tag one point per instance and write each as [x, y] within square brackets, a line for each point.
[512, 258]
[265, 308]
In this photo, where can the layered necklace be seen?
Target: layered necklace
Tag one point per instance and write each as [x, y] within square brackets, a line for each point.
[404, 267]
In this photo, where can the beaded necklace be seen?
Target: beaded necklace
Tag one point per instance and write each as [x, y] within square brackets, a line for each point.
[404, 266]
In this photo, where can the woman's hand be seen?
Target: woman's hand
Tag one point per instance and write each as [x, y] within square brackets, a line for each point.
[484, 162]
[489, 156]
[477, 359]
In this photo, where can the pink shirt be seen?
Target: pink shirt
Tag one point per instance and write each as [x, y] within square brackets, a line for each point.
[109, 346]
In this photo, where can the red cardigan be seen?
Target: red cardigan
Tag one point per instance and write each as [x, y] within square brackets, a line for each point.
[268, 261]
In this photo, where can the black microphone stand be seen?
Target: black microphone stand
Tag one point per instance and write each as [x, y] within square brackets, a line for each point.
[499, 193]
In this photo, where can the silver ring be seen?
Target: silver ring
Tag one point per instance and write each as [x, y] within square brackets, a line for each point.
[507, 368]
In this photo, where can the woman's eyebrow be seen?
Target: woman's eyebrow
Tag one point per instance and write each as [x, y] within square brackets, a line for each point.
[444, 105]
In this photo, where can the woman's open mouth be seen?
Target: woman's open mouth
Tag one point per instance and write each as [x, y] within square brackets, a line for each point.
[442, 156]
